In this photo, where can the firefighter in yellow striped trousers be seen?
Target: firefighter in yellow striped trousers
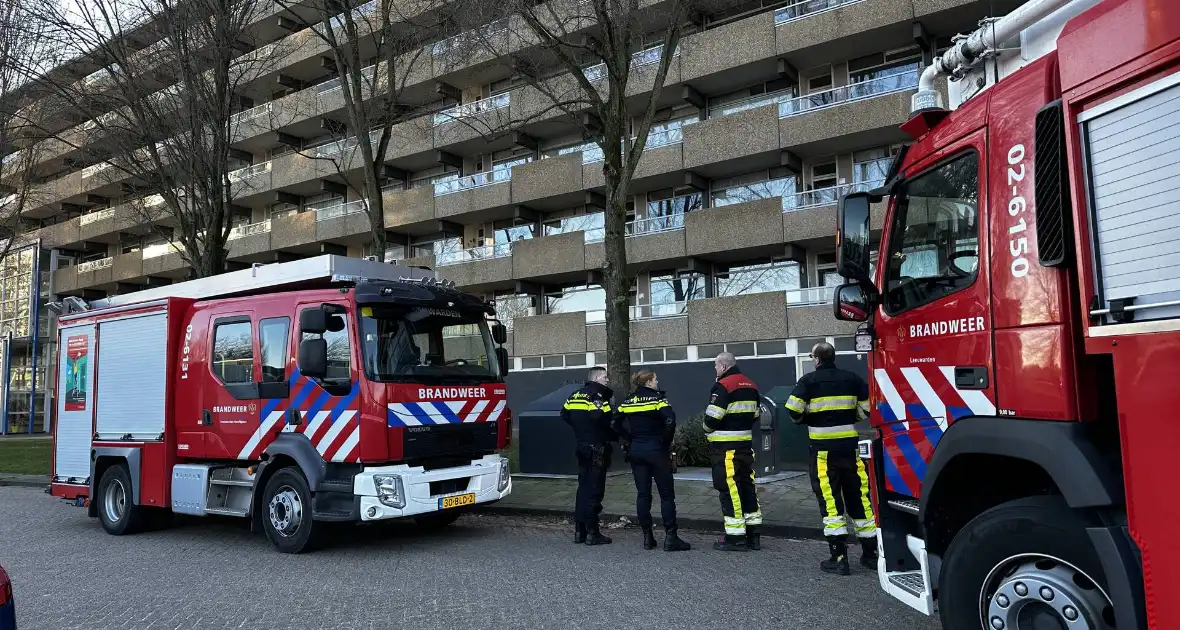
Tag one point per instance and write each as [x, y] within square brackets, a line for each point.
[829, 400]
[729, 425]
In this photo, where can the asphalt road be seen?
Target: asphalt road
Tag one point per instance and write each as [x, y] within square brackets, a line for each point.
[482, 572]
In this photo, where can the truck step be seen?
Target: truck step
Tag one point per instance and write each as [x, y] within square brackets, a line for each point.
[231, 482]
[226, 512]
[909, 581]
[909, 506]
[343, 486]
[334, 516]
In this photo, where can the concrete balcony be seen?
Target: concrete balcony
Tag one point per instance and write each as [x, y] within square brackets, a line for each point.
[249, 240]
[735, 230]
[345, 223]
[763, 316]
[730, 137]
[648, 241]
[473, 120]
[544, 179]
[127, 267]
[731, 46]
[799, 26]
[293, 230]
[411, 137]
[816, 321]
[480, 191]
[557, 333]
[859, 114]
[65, 280]
[653, 332]
[487, 266]
[62, 234]
[405, 208]
[555, 256]
[109, 222]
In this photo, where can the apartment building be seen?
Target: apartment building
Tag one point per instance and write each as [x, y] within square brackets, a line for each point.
[771, 111]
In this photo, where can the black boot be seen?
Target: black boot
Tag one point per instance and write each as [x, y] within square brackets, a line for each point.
[672, 542]
[579, 533]
[595, 537]
[649, 539]
[753, 538]
[868, 553]
[731, 543]
[838, 563]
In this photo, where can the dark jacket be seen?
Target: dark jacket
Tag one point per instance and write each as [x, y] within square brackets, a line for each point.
[646, 420]
[589, 412]
[829, 401]
[733, 410]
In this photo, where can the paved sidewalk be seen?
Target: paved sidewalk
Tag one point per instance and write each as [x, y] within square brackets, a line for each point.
[788, 506]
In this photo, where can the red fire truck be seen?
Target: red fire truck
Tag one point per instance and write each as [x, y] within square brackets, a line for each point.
[293, 395]
[1023, 325]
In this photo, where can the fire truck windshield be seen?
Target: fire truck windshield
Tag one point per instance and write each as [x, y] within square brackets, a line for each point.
[426, 345]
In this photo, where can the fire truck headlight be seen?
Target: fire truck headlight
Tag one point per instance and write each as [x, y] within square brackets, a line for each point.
[504, 476]
[389, 490]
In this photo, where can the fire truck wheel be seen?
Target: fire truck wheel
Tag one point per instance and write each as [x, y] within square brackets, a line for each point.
[1021, 565]
[287, 512]
[116, 510]
[436, 520]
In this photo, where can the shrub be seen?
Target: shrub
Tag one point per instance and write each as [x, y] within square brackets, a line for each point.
[689, 443]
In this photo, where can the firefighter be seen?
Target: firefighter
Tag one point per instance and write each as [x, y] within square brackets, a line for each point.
[729, 423]
[645, 423]
[588, 411]
[829, 400]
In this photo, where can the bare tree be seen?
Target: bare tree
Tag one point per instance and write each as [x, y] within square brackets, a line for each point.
[580, 59]
[159, 110]
[378, 54]
[24, 54]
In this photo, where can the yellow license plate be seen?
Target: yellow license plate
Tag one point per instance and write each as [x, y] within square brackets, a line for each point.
[458, 500]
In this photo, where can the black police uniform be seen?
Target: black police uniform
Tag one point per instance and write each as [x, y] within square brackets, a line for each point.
[646, 424]
[829, 400]
[588, 411]
[729, 424]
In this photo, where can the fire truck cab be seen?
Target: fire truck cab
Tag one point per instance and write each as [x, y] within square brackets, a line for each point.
[1023, 324]
[294, 394]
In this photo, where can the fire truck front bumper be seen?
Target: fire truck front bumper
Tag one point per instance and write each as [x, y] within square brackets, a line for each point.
[399, 491]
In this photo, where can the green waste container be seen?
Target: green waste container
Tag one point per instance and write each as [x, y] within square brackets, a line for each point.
[793, 453]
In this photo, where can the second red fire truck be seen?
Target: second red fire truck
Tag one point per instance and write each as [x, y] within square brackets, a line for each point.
[1023, 325]
[293, 395]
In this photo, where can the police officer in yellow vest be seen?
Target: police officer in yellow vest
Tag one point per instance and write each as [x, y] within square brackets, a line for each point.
[829, 400]
[588, 411]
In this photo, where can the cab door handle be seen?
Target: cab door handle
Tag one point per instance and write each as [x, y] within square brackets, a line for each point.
[207, 418]
[971, 377]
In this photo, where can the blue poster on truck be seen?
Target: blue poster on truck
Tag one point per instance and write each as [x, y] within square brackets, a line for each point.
[77, 383]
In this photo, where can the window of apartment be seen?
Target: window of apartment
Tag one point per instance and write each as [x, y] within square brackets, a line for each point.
[666, 209]
[511, 305]
[765, 184]
[759, 277]
[592, 224]
[872, 165]
[325, 200]
[280, 210]
[820, 82]
[501, 86]
[670, 132]
[430, 176]
[582, 298]
[885, 67]
[671, 291]
[509, 231]
[233, 351]
[129, 243]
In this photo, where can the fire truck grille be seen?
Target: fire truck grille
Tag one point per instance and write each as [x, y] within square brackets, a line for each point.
[460, 440]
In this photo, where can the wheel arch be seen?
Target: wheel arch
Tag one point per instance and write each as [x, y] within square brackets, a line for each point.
[993, 460]
[287, 450]
[101, 459]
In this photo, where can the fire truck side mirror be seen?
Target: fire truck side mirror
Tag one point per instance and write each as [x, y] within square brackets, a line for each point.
[499, 333]
[313, 321]
[853, 302]
[852, 236]
[502, 359]
[313, 357]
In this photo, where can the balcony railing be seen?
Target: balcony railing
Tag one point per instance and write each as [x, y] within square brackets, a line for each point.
[333, 212]
[95, 169]
[907, 80]
[804, 8]
[331, 85]
[152, 200]
[641, 58]
[825, 196]
[250, 171]
[811, 296]
[92, 217]
[468, 39]
[95, 265]
[482, 252]
[252, 113]
[160, 249]
[249, 229]
[640, 227]
[467, 110]
[731, 108]
[478, 180]
[642, 311]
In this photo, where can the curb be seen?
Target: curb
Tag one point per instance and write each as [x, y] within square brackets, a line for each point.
[770, 529]
[23, 483]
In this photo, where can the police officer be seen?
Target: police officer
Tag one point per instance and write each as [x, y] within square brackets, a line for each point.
[646, 424]
[829, 400]
[588, 411]
[729, 424]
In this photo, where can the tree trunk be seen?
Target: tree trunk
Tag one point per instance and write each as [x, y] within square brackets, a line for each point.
[376, 211]
[617, 285]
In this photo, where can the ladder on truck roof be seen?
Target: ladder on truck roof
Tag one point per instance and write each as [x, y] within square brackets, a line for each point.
[310, 272]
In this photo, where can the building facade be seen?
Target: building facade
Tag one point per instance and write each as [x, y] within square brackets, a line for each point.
[772, 111]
